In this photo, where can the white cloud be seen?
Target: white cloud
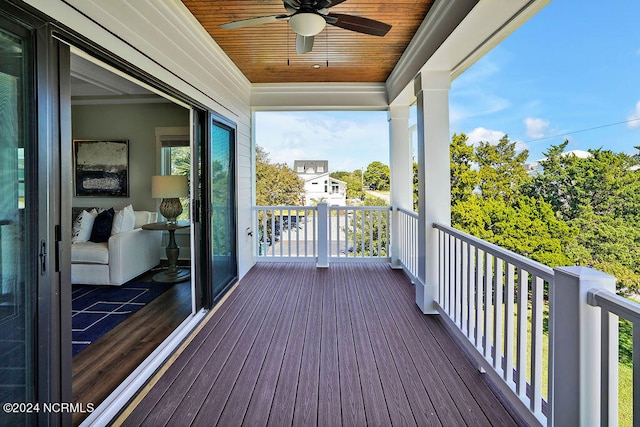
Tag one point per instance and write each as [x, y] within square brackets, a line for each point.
[635, 115]
[536, 128]
[481, 134]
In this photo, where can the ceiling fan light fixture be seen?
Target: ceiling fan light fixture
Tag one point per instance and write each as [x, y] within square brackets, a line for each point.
[307, 24]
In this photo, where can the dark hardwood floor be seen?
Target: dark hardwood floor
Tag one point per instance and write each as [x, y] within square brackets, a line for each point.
[102, 366]
[297, 345]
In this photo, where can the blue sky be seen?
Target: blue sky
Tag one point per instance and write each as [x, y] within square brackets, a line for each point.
[571, 72]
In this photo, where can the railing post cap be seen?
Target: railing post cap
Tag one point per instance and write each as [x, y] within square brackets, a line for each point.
[583, 273]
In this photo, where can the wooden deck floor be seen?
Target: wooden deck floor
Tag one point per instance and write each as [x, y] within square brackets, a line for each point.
[296, 345]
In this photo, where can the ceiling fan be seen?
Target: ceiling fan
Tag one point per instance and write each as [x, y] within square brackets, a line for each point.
[307, 18]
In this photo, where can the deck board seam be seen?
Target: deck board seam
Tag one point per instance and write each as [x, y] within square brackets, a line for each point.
[395, 334]
[187, 356]
[397, 404]
[245, 352]
[203, 366]
[272, 323]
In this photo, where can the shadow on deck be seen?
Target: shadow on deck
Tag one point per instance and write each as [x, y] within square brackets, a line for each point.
[296, 345]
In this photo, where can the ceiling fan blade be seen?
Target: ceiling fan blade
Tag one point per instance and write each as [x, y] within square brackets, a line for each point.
[291, 6]
[359, 24]
[335, 2]
[323, 4]
[304, 44]
[253, 21]
[292, 3]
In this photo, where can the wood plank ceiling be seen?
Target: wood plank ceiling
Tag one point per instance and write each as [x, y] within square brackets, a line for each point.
[266, 53]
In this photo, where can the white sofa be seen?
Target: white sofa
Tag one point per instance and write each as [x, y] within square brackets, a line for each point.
[125, 256]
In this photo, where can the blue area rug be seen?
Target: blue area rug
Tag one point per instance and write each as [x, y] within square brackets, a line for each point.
[98, 309]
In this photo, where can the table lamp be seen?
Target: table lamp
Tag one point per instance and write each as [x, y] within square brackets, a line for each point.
[169, 188]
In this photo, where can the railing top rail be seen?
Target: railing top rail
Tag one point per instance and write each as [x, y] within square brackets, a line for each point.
[408, 212]
[533, 267]
[360, 208]
[616, 304]
[286, 208]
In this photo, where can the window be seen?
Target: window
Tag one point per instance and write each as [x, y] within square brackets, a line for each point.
[175, 159]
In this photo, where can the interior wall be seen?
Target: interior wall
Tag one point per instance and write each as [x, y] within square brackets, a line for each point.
[136, 123]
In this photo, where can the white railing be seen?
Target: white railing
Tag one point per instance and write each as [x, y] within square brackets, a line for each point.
[495, 298]
[359, 232]
[286, 232]
[322, 233]
[612, 307]
[495, 301]
[408, 241]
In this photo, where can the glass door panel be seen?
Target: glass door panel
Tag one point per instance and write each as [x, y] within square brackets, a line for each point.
[17, 279]
[223, 208]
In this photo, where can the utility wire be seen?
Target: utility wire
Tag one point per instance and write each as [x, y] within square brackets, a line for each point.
[583, 130]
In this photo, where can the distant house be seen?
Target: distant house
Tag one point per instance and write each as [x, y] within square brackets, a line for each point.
[318, 185]
[536, 167]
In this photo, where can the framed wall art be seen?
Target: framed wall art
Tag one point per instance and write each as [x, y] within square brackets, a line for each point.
[101, 168]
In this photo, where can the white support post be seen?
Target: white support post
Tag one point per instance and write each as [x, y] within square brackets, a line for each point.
[401, 173]
[323, 236]
[434, 192]
[575, 347]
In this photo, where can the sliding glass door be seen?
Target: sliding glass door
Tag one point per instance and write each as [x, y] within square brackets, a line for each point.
[18, 274]
[222, 217]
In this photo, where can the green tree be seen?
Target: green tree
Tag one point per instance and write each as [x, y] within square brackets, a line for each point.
[599, 196]
[416, 184]
[276, 183]
[354, 183]
[528, 227]
[487, 202]
[605, 182]
[464, 179]
[377, 176]
[375, 225]
[501, 169]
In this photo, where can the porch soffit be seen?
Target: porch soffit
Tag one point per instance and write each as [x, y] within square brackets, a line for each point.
[266, 53]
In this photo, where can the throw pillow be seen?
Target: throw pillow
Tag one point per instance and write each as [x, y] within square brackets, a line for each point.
[123, 220]
[102, 226]
[84, 224]
[129, 219]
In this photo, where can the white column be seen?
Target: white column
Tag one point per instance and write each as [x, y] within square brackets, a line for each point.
[574, 346]
[434, 205]
[401, 166]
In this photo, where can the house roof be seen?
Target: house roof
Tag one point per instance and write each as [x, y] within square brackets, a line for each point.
[313, 167]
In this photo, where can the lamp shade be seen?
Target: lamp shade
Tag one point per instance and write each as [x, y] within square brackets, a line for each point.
[169, 186]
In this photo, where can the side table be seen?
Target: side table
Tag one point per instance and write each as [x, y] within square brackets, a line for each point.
[172, 274]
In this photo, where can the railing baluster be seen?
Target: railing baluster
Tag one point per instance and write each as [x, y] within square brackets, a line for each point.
[315, 233]
[379, 216]
[488, 292]
[536, 343]
[521, 332]
[289, 230]
[479, 333]
[354, 220]
[441, 263]
[338, 249]
[498, 325]
[508, 323]
[464, 296]
[449, 260]
[470, 290]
